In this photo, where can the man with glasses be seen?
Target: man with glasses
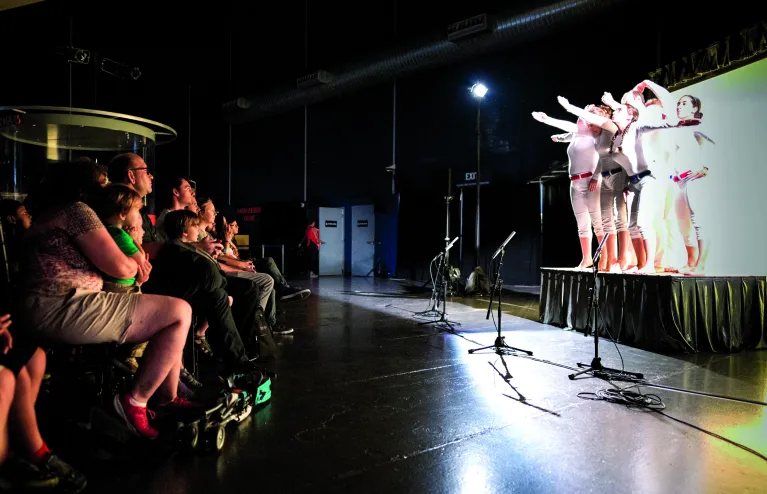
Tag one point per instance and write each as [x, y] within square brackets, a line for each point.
[131, 170]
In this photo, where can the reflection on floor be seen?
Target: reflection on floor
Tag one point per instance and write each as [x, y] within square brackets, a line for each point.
[366, 401]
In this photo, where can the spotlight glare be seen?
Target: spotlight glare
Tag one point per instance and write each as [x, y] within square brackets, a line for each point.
[479, 90]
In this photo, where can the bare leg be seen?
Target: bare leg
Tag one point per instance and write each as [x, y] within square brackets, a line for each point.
[165, 322]
[36, 369]
[700, 264]
[7, 390]
[626, 257]
[23, 419]
[611, 246]
[202, 329]
[649, 249]
[641, 254]
[169, 387]
[585, 252]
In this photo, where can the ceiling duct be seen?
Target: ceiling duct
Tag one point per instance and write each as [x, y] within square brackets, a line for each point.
[406, 60]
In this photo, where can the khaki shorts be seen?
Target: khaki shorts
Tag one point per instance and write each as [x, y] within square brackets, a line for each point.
[82, 317]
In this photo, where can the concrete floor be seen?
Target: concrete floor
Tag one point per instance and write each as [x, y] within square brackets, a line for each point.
[366, 401]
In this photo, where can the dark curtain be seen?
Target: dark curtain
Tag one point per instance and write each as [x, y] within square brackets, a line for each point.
[660, 313]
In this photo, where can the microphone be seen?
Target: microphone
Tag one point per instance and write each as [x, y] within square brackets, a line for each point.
[451, 244]
[503, 245]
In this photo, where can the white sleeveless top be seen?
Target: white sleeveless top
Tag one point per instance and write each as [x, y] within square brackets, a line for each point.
[582, 155]
[602, 143]
[629, 148]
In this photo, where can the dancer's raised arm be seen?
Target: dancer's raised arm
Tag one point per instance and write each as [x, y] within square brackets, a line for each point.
[607, 98]
[660, 92]
[560, 124]
[591, 118]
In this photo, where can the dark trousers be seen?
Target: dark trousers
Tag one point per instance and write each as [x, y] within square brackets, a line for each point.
[268, 266]
[245, 294]
[314, 257]
[212, 304]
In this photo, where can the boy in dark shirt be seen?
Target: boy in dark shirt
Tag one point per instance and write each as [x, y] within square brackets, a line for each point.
[181, 270]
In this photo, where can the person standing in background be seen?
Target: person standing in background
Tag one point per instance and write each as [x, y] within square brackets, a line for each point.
[313, 242]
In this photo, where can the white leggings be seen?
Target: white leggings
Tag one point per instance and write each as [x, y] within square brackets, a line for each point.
[586, 208]
[647, 206]
[613, 203]
[689, 199]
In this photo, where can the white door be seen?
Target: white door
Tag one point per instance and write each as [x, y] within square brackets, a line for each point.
[363, 240]
[332, 235]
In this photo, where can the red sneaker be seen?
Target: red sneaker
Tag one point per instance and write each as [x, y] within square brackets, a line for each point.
[135, 417]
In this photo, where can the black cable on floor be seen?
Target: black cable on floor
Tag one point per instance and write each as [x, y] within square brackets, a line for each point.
[649, 384]
[653, 403]
[630, 399]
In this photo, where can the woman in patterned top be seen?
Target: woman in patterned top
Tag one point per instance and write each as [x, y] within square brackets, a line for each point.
[66, 250]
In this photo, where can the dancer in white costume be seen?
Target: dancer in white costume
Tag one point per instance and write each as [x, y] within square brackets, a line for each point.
[681, 151]
[613, 201]
[628, 151]
[653, 151]
[583, 159]
[690, 166]
[622, 120]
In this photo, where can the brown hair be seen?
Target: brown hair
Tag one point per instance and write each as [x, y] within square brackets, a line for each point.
[178, 222]
[696, 103]
[113, 199]
[634, 113]
[602, 110]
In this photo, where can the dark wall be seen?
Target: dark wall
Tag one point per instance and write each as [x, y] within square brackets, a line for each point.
[180, 50]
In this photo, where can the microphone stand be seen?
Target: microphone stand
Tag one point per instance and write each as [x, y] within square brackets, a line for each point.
[442, 281]
[499, 346]
[596, 368]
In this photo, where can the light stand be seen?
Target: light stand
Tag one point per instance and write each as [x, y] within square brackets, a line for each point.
[441, 282]
[499, 346]
[478, 91]
[596, 368]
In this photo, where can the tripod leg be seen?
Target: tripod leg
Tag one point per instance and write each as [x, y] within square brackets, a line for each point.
[579, 373]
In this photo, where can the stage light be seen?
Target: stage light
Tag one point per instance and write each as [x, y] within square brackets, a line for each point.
[121, 70]
[478, 90]
[74, 55]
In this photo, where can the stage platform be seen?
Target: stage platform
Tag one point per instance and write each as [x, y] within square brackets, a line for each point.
[663, 312]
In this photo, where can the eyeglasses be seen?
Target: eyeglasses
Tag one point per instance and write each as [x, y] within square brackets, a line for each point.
[139, 169]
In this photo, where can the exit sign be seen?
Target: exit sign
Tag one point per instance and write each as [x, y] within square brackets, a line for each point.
[471, 176]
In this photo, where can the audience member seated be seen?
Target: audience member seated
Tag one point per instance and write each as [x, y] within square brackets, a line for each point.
[15, 220]
[242, 271]
[65, 252]
[118, 207]
[34, 465]
[131, 170]
[182, 196]
[182, 270]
